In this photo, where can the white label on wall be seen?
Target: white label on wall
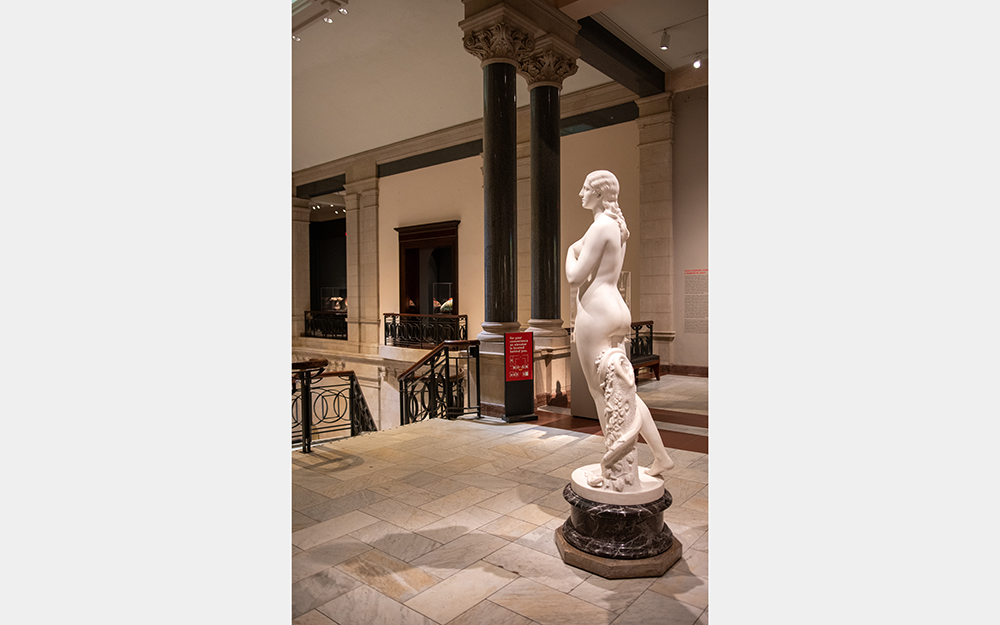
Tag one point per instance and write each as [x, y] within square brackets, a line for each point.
[696, 301]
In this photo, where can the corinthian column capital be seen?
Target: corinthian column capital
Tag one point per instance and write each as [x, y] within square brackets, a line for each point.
[551, 62]
[502, 42]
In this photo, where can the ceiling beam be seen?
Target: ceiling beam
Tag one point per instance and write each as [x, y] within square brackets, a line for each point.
[608, 54]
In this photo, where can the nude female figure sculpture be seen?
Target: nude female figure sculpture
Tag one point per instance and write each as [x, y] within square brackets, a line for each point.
[603, 322]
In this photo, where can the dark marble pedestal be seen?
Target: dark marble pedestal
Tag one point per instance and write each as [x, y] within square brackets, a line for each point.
[617, 541]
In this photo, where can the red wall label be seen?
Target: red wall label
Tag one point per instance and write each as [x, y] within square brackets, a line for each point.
[520, 351]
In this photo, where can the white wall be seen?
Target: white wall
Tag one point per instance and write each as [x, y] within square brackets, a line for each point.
[438, 193]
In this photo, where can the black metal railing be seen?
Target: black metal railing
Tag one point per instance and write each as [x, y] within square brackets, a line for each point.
[642, 339]
[326, 324]
[442, 384]
[326, 405]
[424, 331]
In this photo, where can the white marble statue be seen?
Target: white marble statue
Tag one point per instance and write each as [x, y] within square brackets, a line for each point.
[603, 323]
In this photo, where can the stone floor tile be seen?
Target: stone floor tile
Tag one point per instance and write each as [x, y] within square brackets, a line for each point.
[444, 486]
[508, 528]
[452, 557]
[698, 503]
[313, 591]
[462, 522]
[539, 515]
[546, 606]
[681, 490]
[459, 593]
[701, 544]
[388, 575]
[541, 539]
[694, 519]
[401, 514]
[395, 541]
[694, 562]
[513, 498]
[333, 508]
[366, 606]
[329, 530]
[537, 566]
[652, 607]
[554, 500]
[489, 613]
[303, 498]
[315, 617]
[301, 521]
[682, 586]
[484, 480]
[306, 563]
[457, 501]
[613, 595]
[533, 478]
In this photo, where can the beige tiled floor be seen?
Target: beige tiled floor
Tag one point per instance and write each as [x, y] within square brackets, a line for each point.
[452, 522]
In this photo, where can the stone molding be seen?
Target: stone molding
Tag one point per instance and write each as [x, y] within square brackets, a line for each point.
[300, 209]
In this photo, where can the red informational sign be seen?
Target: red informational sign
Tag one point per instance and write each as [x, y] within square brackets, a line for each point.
[520, 350]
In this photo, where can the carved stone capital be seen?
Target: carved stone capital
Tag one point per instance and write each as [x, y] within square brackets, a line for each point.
[501, 42]
[547, 68]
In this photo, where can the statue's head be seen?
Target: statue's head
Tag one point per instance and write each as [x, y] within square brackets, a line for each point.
[606, 184]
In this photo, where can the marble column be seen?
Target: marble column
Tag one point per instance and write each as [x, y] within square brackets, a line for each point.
[545, 69]
[498, 42]
[498, 38]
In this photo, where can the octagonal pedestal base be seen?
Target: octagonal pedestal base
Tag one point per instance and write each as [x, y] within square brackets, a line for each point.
[617, 541]
[611, 568]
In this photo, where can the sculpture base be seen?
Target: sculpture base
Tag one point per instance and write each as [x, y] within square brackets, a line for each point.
[620, 532]
[611, 568]
[648, 488]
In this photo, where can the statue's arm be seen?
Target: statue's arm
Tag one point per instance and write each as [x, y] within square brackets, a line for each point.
[584, 255]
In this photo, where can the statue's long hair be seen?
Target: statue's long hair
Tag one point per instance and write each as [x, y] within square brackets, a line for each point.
[605, 183]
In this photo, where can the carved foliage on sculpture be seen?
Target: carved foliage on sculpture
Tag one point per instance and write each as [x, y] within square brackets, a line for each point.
[618, 466]
[500, 41]
[548, 66]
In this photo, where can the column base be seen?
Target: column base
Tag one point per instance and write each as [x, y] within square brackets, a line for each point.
[546, 327]
[493, 331]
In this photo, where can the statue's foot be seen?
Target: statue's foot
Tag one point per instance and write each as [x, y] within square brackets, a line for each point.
[658, 468]
[595, 479]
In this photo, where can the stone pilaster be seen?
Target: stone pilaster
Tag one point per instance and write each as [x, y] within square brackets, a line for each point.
[363, 314]
[656, 125]
[300, 264]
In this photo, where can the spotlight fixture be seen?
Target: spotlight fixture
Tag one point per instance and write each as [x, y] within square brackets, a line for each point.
[328, 19]
[697, 62]
[664, 40]
[343, 10]
[294, 38]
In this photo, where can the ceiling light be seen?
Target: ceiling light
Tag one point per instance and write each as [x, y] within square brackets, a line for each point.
[343, 10]
[664, 40]
[697, 61]
[294, 38]
[328, 19]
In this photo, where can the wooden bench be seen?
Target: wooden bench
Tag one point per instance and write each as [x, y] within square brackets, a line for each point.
[641, 351]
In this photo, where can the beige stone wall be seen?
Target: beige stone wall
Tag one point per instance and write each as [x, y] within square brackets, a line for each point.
[612, 148]
[438, 193]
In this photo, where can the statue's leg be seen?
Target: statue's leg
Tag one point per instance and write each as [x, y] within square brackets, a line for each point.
[651, 434]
